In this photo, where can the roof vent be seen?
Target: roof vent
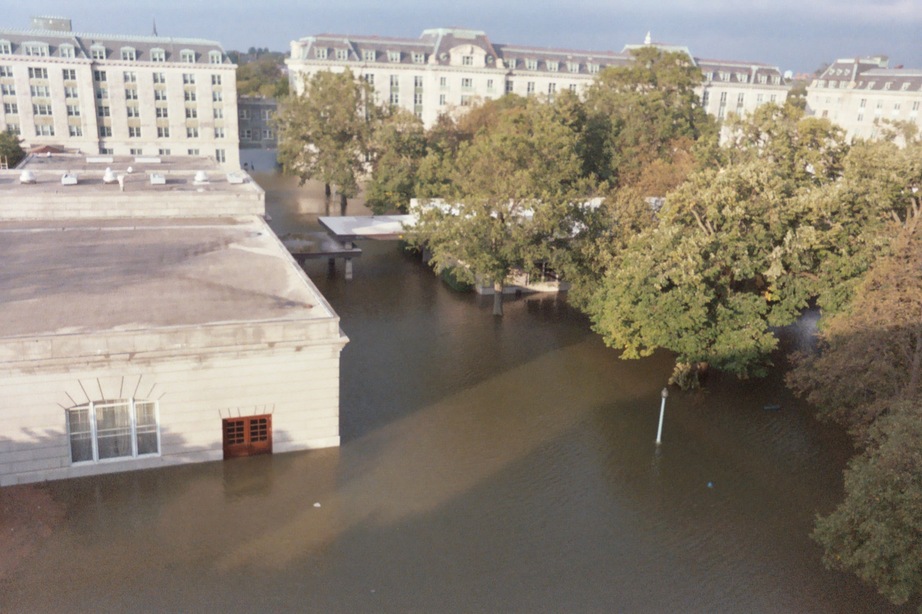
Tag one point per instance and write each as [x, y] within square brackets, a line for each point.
[109, 176]
[200, 177]
[157, 179]
[27, 176]
[69, 179]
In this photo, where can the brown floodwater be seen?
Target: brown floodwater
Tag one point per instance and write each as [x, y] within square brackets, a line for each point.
[487, 465]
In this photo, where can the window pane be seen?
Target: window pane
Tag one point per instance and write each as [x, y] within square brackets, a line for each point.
[113, 430]
[146, 422]
[81, 442]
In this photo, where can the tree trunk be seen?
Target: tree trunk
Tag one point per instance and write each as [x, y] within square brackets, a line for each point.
[327, 191]
[343, 201]
[327, 197]
[497, 298]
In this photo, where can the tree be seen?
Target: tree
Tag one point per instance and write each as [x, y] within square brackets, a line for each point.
[503, 190]
[398, 147]
[866, 376]
[324, 133]
[11, 149]
[262, 77]
[645, 111]
[711, 279]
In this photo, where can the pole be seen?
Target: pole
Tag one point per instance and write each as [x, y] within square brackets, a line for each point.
[662, 411]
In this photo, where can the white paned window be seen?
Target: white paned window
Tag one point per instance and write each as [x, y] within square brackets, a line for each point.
[104, 430]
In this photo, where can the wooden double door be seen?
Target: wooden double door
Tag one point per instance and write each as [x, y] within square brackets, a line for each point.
[247, 436]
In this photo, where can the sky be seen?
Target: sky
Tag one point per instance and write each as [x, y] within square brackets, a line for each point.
[796, 35]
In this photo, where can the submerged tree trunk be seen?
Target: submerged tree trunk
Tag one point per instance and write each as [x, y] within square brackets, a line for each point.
[343, 201]
[497, 298]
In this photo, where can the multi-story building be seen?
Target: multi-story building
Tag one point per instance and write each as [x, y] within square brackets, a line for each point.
[121, 95]
[862, 95]
[255, 122]
[447, 69]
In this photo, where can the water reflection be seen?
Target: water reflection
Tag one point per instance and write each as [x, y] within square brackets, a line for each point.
[487, 465]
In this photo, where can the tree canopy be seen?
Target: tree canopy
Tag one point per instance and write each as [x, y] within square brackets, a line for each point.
[262, 75]
[502, 190]
[325, 133]
[11, 148]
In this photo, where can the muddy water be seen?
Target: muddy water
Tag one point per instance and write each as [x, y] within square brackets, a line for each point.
[487, 466]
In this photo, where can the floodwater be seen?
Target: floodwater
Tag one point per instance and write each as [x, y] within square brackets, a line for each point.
[487, 465]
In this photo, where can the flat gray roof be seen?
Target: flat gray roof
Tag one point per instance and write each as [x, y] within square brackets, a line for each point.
[99, 276]
[352, 227]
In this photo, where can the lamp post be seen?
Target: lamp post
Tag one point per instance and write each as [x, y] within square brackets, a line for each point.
[662, 411]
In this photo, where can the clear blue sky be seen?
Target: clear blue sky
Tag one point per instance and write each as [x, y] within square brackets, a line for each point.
[796, 35]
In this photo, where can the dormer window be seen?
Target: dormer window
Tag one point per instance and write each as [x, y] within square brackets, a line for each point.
[776, 80]
[887, 85]
[35, 49]
[6, 47]
[187, 56]
[320, 53]
[129, 54]
[215, 57]
[157, 55]
[393, 56]
[552, 66]
[419, 58]
[764, 79]
[369, 55]
[592, 68]
[66, 51]
[724, 76]
[98, 52]
[342, 55]
[531, 64]
[573, 66]
[742, 77]
[467, 60]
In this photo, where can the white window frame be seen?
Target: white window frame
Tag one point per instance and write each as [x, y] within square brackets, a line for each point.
[157, 55]
[187, 56]
[128, 54]
[92, 408]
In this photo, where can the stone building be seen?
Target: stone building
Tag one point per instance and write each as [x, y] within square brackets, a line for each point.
[150, 317]
[255, 122]
[118, 95]
[863, 94]
[446, 70]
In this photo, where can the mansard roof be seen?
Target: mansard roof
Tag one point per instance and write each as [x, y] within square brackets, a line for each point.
[870, 74]
[82, 43]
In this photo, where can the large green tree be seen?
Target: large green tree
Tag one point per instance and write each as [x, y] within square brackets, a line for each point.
[503, 189]
[710, 280]
[325, 133]
[398, 147]
[643, 112]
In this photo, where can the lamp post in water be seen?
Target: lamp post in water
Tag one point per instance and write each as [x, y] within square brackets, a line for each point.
[662, 411]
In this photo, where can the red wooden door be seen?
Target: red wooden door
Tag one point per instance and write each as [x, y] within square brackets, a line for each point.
[247, 436]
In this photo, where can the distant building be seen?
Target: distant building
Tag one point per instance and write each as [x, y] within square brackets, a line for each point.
[255, 116]
[447, 69]
[149, 318]
[862, 94]
[118, 95]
